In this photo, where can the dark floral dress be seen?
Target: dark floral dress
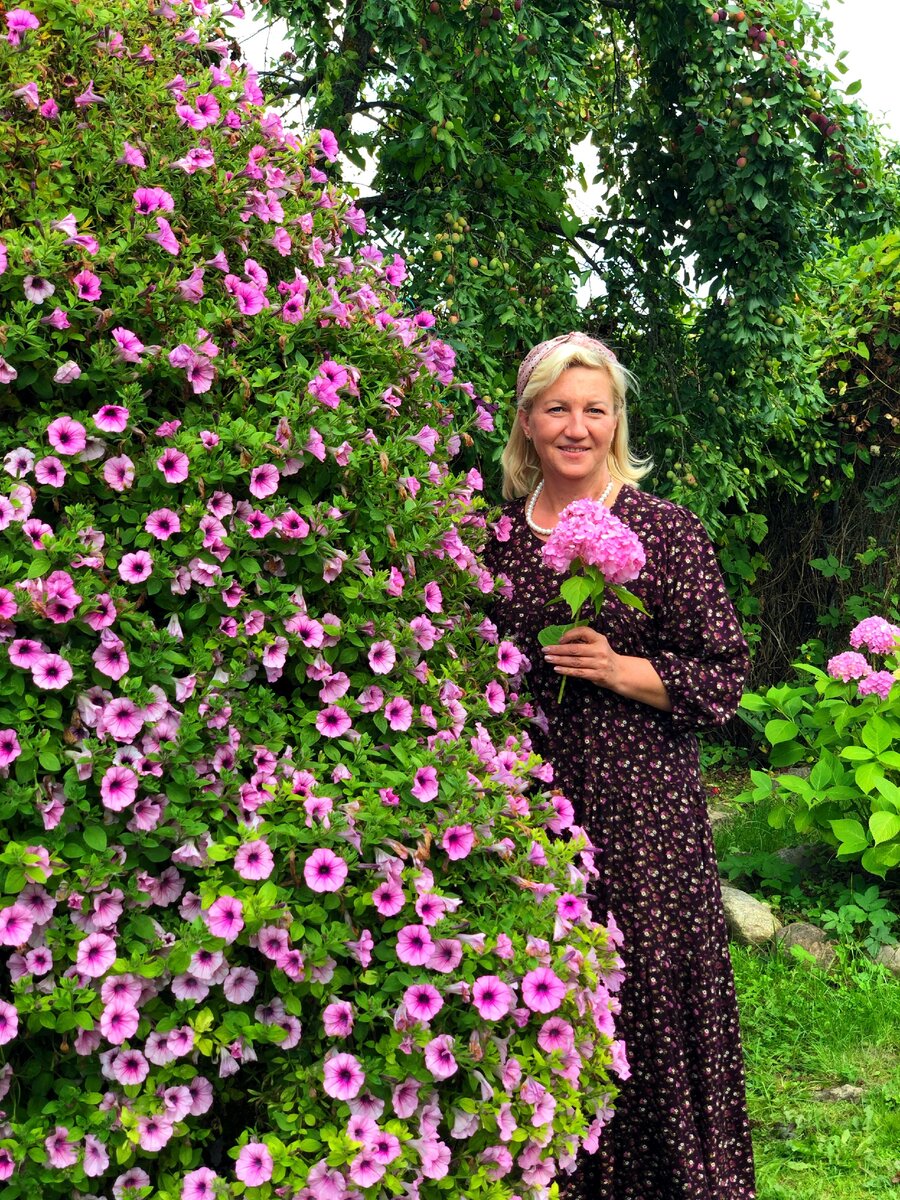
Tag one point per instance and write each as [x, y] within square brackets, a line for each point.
[680, 1131]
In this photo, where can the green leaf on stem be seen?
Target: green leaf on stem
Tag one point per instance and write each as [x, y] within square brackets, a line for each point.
[627, 597]
[575, 591]
[552, 634]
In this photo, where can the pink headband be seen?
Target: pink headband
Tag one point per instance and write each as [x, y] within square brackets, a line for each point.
[538, 353]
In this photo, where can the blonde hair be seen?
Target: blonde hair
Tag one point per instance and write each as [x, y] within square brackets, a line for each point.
[520, 463]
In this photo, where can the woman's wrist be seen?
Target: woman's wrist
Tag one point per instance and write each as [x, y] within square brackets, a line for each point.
[637, 679]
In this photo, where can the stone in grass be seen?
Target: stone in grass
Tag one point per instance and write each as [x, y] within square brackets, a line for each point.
[719, 817]
[849, 1093]
[750, 921]
[889, 956]
[804, 858]
[813, 939]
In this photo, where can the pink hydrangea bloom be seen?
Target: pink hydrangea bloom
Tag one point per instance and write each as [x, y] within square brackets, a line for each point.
[879, 684]
[592, 534]
[876, 634]
[848, 665]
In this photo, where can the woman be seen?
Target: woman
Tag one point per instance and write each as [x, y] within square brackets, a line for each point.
[623, 748]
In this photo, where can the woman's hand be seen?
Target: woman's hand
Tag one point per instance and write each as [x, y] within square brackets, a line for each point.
[587, 654]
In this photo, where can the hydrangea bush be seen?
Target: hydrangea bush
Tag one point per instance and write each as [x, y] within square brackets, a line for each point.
[289, 906]
[846, 723]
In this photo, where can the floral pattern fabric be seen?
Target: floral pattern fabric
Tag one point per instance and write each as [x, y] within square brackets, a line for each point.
[680, 1131]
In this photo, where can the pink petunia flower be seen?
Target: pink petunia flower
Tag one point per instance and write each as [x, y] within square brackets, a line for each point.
[119, 1021]
[9, 747]
[129, 349]
[119, 472]
[333, 721]
[50, 471]
[446, 955]
[61, 1153]
[328, 144]
[439, 1057]
[556, 1034]
[162, 523]
[337, 1019]
[130, 1067]
[174, 465]
[389, 898]
[425, 784]
[66, 435]
[325, 871]
[240, 984]
[136, 567]
[9, 1022]
[423, 1002]
[542, 990]
[414, 945]
[50, 671]
[264, 481]
[154, 1132]
[254, 1164]
[96, 1156]
[458, 841]
[118, 789]
[16, 925]
[87, 285]
[492, 997]
[96, 954]
[110, 657]
[122, 718]
[344, 1077]
[398, 711]
[199, 1184]
[225, 917]
[382, 657]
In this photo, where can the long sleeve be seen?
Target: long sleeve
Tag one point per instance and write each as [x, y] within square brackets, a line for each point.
[701, 655]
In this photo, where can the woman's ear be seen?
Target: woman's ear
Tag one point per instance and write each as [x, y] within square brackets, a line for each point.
[522, 417]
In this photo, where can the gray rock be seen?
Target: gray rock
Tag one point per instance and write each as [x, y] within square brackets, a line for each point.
[889, 956]
[800, 772]
[811, 938]
[750, 922]
[805, 858]
[719, 817]
[848, 1092]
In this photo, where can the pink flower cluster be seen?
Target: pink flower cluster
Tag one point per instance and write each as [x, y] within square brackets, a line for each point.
[589, 533]
[879, 636]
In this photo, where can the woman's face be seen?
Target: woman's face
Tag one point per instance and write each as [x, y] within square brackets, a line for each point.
[571, 425]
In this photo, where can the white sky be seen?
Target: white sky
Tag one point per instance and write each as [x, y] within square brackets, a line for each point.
[869, 30]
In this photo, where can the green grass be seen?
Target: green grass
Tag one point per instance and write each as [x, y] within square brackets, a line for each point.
[803, 1031]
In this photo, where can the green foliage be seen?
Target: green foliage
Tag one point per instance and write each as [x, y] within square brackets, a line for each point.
[729, 145]
[850, 796]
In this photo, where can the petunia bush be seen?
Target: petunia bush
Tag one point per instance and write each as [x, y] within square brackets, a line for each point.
[289, 906]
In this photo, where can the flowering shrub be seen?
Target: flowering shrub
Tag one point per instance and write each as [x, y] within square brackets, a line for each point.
[288, 905]
[849, 721]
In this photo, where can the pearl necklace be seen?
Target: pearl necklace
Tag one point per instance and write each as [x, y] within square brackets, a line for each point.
[529, 510]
